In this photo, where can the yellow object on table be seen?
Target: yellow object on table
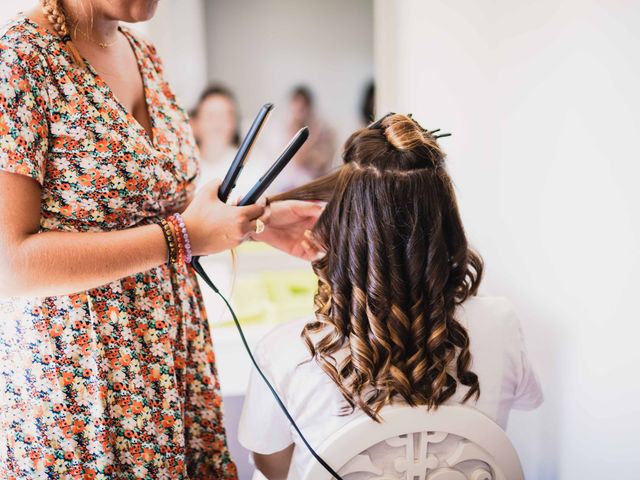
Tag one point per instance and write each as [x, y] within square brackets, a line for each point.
[274, 296]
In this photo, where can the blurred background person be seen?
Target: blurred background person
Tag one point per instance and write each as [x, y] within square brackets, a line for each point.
[216, 127]
[316, 156]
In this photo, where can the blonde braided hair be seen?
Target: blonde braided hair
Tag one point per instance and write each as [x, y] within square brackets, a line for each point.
[55, 14]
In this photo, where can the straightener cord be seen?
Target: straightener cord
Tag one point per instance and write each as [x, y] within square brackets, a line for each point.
[195, 263]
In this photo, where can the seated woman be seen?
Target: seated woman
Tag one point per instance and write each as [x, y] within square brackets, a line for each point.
[397, 317]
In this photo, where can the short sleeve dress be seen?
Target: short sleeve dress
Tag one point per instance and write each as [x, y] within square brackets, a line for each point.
[118, 381]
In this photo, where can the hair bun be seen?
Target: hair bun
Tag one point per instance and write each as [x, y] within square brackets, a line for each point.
[405, 134]
[402, 132]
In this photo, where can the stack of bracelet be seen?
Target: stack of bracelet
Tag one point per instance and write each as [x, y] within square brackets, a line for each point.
[175, 234]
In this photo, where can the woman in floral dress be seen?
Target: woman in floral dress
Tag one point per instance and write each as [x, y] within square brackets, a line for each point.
[107, 368]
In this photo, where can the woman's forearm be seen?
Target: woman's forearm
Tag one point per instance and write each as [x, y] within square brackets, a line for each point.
[57, 263]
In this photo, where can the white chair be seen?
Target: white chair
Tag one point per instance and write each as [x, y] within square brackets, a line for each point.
[450, 443]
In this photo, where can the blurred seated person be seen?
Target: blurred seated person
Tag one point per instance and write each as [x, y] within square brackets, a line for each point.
[397, 315]
[216, 127]
[368, 104]
[316, 155]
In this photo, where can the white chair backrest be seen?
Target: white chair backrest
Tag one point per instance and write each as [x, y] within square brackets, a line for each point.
[411, 443]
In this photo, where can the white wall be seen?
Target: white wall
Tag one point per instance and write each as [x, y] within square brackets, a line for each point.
[178, 32]
[263, 49]
[543, 102]
[10, 8]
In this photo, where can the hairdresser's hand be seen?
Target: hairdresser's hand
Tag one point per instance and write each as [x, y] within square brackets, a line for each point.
[287, 227]
[214, 226]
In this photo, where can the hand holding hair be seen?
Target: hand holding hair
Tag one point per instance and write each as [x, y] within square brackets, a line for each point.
[214, 226]
[287, 223]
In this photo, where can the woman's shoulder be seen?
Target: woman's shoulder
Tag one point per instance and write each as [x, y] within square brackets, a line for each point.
[493, 306]
[489, 313]
[284, 334]
[138, 37]
[20, 34]
[144, 44]
[23, 43]
[283, 345]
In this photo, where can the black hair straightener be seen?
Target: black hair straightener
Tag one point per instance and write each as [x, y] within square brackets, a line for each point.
[229, 182]
[270, 175]
[230, 179]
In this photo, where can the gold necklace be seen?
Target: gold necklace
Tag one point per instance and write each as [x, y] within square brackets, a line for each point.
[100, 44]
[106, 45]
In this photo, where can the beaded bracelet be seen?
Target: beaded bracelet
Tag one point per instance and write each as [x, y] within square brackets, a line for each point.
[178, 237]
[182, 237]
[185, 237]
[170, 240]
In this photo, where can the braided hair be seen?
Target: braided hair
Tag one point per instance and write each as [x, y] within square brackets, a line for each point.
[55, 14]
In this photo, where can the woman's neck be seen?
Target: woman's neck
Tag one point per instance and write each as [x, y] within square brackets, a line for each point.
[89, 23]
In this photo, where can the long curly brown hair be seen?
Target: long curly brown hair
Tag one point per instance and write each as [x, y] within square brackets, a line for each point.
[397, 264]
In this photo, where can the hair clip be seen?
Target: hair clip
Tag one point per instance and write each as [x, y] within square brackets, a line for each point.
[378, 123]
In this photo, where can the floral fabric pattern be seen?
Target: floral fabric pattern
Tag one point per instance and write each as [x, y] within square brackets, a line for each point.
[118, 381]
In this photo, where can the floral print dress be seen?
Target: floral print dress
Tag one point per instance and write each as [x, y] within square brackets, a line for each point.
[118, 381]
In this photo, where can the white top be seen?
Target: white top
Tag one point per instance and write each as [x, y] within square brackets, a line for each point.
[506, 378]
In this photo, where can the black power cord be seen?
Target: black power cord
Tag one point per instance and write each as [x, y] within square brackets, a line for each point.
[195, 263]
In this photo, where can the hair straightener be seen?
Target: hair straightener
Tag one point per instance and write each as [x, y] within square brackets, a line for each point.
[229, 182]
[270, 175]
